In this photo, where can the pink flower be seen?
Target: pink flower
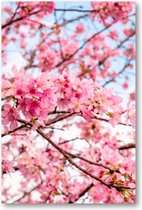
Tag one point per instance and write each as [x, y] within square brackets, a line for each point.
[116, 10]
[10, 116]
[30, 108]
[28, 7]
[113, 35]
[31, 89]
[130, 52]
[47, 6]
[80, 28]
[125, 85]
[18, 73]
[133, 96]
[7, 166]
[128, 32]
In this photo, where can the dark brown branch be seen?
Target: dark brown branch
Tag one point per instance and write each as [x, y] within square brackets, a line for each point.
[127, 146]
[110, 185]
[59, 119]
[59, 112]
[18, 19]
[74, 19]
[14, 14]
[7, 98]
[29, 124]
[95, 117]
[16, 129]
[91, 162]
[70, 140]
[33, 13]
[83, 192]
[107, 120]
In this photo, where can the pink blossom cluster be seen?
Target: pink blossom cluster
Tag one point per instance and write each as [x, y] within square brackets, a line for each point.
[27, 8]
[36, 97]
[115, 10]
[49, 57]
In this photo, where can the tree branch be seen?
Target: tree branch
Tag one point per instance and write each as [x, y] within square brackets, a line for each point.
[110, 185]
[107, 120]
[102, 61]
[91, 162]
[18, 19]
[76, 10]
[83, 192]
[127, 146]
[60, 118]
[10, 132]
[87, 41]
[120, 72]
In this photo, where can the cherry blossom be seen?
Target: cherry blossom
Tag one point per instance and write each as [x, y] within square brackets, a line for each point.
[68, 102]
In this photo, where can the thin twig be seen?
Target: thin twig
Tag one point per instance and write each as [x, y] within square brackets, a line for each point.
[83, 192]
[10, 132]
[120, 72]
